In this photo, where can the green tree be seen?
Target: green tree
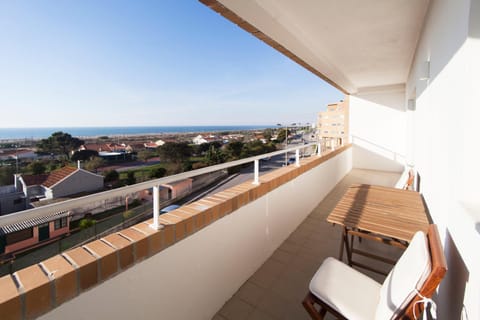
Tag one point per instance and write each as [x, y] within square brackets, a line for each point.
[86, 223]
[176, 152]
[6, 175]
[144, 155]
[255, 148]
[234, 149]
[94, 163]
[158, 172]
[200, 149]
[131, 178]
[53, 165]
[111, 175]
[37, 167]
[59, 143]
[267, 134]
[84, 155]
[214, 156]
[281, 134]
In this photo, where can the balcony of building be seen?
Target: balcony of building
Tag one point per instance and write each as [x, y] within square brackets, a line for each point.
[276, 289]
[411, 71]
[247, 252]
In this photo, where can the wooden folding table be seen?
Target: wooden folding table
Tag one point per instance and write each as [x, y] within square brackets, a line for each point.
[388, 215]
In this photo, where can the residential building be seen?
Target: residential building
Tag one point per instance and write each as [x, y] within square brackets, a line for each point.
[12, 199]
[404, 64]
[332, 124]
[62, 182]
[107, 147]
[17, 154]
[199, 140]
[153, 145]
[25, 235]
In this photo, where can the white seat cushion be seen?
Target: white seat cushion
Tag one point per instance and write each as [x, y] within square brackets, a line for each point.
[409, 273]
[346, 290]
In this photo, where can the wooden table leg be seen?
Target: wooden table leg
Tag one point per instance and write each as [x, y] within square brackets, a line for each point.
[340, 256]
[347, 247]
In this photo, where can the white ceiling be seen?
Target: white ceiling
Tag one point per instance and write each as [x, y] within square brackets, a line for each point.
[356, 44]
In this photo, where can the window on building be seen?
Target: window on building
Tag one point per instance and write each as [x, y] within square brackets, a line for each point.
[60, 223]
[18, 236]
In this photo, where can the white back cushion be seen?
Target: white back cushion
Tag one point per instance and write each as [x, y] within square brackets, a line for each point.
[410, 273]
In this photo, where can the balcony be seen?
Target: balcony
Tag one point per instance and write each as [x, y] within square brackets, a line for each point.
[245, 252]
[260, 243]
[276, 289]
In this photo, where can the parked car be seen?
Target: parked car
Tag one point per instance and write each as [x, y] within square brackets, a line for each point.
[169, 208]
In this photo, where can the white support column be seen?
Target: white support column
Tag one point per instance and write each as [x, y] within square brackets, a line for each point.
[256, 169]
[297, 158]
[319, 149]
[156, 208]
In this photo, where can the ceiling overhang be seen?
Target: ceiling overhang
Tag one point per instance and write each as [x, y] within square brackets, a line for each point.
[350, 44]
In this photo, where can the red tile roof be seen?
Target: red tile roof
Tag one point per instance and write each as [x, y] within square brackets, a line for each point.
[33, 180]
[57, 175]
[108, 147]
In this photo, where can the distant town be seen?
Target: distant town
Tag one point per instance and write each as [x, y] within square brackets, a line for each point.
[34, 173]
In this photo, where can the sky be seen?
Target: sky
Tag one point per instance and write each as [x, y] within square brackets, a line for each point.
[144, 63]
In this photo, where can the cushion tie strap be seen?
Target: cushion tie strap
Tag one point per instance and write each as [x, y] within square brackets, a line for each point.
[425, 301]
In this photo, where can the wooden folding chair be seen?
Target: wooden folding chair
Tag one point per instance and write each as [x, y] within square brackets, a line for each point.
[349, 294]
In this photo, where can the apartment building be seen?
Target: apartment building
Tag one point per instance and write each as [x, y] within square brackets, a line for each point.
[332, 124]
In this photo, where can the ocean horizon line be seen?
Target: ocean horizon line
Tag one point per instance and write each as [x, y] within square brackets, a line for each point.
[96, 131]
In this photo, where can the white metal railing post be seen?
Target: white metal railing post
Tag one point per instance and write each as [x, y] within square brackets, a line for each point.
[297, 158]
[256, 169]
[319, 149]
[156, 210]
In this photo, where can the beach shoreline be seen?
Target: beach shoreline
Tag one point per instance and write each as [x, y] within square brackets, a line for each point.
[18, 135]
[139, 137]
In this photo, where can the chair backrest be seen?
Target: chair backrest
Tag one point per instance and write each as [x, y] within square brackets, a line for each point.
[409, 183]
[419, 269]
[439, 268]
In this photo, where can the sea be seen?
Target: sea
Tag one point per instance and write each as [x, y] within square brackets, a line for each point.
[82, 132]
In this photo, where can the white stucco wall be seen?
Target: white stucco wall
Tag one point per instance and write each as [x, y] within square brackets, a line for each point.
[445, 145]
[79, 181]
[378, 128]
[196, 276]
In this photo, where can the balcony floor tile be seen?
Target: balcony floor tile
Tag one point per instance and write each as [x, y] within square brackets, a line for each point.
[277, 288]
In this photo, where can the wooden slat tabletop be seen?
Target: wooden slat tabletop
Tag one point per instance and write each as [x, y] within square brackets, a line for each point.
[391, 212]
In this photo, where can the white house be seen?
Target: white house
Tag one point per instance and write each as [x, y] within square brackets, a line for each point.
[199, 140]
[61, 183]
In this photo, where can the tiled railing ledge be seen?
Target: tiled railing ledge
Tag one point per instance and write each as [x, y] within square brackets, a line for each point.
[39, 288]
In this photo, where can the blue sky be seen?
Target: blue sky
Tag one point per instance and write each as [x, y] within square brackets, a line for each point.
[133, 63]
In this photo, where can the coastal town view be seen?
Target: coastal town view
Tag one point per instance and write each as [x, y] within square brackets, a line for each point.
[110, 140]
[38, 172]
[239, 159]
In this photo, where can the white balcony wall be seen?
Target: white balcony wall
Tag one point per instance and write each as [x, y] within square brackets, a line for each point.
[378, 122]
[445, 78]
[195, 277]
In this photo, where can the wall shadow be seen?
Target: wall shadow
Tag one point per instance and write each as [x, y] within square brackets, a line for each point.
[452, 288]
[381, 96]
[369, 155]
[474, 26]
